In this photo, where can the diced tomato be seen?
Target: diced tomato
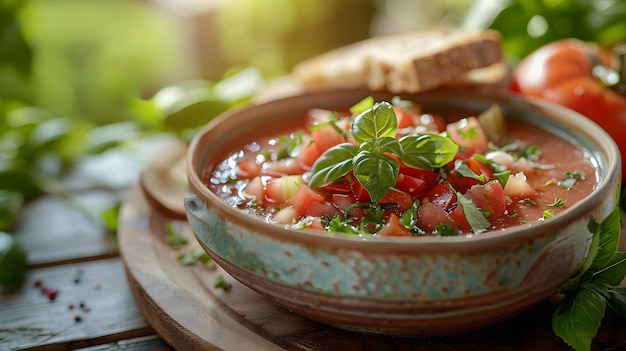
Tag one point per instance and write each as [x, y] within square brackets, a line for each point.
[410, 185]
[303, 198]
[401, 200]
[341, 188]
[279, 190]
[255, 189]
[429, 177]
[430, 215]
[458, 216]
[441, 195]
[462, 183]
[468, 134]
[489, 197]
[393, 227]
[247, 169]
[359, 192]
[308, 154]
[405, 118]
[347, 202]
[326, 137]
[319, 209]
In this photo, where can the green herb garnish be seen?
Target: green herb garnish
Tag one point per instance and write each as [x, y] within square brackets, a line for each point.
[190, 258]
[174, 238]
[557, 203]
[221, 283]
[374, 131]
[570, 179]
[587, 295]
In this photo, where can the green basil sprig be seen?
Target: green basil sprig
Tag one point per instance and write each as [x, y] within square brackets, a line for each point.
[374, 130]
[580, 313]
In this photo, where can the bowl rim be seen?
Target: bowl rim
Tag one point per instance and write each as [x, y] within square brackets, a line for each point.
[501, 238]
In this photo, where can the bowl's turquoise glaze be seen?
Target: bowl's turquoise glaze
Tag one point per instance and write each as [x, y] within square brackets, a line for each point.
[419, 286]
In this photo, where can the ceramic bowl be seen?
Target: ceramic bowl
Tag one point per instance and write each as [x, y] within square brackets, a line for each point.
[415, 286]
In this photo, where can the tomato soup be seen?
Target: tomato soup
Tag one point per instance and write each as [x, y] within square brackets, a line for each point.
[391, 169]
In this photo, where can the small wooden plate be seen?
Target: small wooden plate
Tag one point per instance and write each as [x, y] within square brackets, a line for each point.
[189, 312]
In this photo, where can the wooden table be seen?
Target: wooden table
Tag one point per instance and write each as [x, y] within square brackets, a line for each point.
[96, 308]
[70, 251]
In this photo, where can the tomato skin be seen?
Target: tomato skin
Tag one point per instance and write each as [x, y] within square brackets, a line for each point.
[393, 227]
[561, 72]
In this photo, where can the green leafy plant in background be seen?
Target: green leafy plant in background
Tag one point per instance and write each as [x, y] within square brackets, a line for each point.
[526, 25]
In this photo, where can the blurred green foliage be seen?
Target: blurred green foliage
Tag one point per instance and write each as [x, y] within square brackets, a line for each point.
[526, 25]
[80, 77]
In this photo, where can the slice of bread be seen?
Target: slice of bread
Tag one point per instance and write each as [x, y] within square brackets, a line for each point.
[405, 63]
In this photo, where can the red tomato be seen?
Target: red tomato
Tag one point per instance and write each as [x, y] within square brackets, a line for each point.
[303, 198]
[562, 72]
[402, 201]
[410, 185]
[404, 117]
[393, 227]
[441, 195]
[430, 215]
[468, 134]
[458, 216]
[462, 183]
[347, 202]
[489, 197]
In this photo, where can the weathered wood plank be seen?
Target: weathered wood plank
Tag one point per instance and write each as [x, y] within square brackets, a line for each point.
[152, 343]
[94, 305]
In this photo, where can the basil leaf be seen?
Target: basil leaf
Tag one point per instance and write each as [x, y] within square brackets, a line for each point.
[475, 218]
[462, 169]
[614, 271]
[375, 123]
[332, 164]
[577, 322]
[610, 231]
[376, 172]
[427, 151]
[382, 145]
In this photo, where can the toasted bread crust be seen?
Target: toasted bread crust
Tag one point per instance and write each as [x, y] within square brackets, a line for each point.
[403, 63]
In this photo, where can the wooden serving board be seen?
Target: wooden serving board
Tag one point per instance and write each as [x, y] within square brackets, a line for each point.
[183, 306]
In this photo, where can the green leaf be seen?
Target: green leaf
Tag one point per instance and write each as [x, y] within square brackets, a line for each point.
[610, 231]
[577, 322]
[375, 123]
[382, 145]
[174, 238]
[475, 218]
[13, 261]
[377, 173]
[110, 217]
[613, 273]
[332, 164]
[409, 217]
[221, 283]
[10, 204]
[191, 257]
[427, 151]
[14, 50]
[463, 170]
